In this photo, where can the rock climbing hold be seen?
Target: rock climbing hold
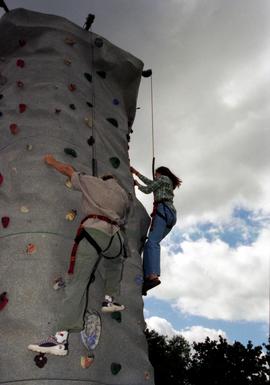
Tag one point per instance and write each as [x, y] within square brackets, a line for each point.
[22, 107]
[91, 141]
[128, 138]
[72, 87]
[3, 300]
[98, 42]
[88, 76]
[70, 41]
[31, 248]
[89, 104]
[59, 283]
[71, 215]
[57, 110]
[147, 376]
[24, 209]
[113, 122]
[5, 222]
[88, 121]
[20, 63]
[102, 74]
[22, 43]
[67, 61]
[115, 368]
[1, 114]
[1, 96]
[14, 129]
[1, 179]
[20, 84]
[116, 102]
[86, 361]
[68, 183]
[70, 151]
[14, 170]
[72, 106]
[40, 360]
[115, 162]
[117, 316]
[29, 147]
[3, 80]
[147, 73]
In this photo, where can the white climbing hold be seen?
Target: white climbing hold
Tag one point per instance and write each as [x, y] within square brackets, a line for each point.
[88, 121]
[71, 215]
[68, 183]
[24, 209]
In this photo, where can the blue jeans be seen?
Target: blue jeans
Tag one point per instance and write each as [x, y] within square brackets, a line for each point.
[160, 229]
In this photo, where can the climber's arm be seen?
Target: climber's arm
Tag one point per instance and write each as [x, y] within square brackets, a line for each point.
[63, 168]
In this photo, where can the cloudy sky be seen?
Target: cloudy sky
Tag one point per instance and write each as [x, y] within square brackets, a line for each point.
[211, 79]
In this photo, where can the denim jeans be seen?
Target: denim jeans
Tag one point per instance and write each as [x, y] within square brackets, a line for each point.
[160, 229]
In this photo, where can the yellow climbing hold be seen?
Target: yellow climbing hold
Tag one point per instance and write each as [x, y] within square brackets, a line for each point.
[29, 147]
[88, 121]
[24, 209]
[68, 183]
[71, 215]
[86, 361]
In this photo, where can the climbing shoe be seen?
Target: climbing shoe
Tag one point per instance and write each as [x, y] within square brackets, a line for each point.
[149, 284]
[56, 345]
[109, 306]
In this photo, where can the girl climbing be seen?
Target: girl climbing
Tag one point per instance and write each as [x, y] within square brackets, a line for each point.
[163, 220]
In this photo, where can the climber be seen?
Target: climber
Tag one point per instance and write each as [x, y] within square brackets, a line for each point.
[163, 220]
[105, 205]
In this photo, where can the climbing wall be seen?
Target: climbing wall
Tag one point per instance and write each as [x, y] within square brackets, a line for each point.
[69, 92]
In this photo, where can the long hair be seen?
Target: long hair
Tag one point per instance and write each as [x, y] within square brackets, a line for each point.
[167, 172]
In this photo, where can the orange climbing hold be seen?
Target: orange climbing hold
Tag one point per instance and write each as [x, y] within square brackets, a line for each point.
[31, 248]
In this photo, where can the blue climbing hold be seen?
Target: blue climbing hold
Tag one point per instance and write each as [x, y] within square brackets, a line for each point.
[116, 102]
[98, 42]
[113, 122]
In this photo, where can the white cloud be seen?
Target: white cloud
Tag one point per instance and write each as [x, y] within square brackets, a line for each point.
[191, 334]
[212, 280]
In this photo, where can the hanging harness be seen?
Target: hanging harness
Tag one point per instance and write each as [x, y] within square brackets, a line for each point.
[155, 212]
[82, 233]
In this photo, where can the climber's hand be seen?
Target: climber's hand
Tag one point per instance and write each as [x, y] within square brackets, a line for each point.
[133, 170]
[49, 159]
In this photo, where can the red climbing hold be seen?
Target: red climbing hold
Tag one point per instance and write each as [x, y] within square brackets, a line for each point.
[22, 107]
[5, 222]
[1, 179]
[22, 43]
[20, 63]
[20, 84]
[72, 87]
[14, 129]
[3, 300]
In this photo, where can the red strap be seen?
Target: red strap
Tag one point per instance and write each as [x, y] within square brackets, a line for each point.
[76, 244]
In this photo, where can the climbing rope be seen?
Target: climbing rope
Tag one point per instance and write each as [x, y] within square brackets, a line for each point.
[94, 160]
[153, 131]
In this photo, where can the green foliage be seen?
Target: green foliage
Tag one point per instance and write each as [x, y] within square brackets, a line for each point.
[210, 362]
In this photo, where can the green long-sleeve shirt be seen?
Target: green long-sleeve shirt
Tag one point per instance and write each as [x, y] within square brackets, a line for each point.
[162, 188]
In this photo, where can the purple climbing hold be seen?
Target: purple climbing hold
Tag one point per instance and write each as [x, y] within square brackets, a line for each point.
[98, 42]
[88, 76]
[147, 73]
[102, 74]
[1, 179]
[91, 141]
[3, 300]
[116, 102]
[113, 121]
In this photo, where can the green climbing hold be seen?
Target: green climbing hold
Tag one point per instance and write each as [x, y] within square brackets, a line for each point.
[70, 151]
[115, 368]
[113, 122]
[88, 76]
[102, 74]
[115, 162]
[117, 316]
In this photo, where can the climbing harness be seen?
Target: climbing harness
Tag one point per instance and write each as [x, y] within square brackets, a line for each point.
[82, 233]
[155, 213]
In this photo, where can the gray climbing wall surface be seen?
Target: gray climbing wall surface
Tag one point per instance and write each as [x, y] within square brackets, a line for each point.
[61, 89]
